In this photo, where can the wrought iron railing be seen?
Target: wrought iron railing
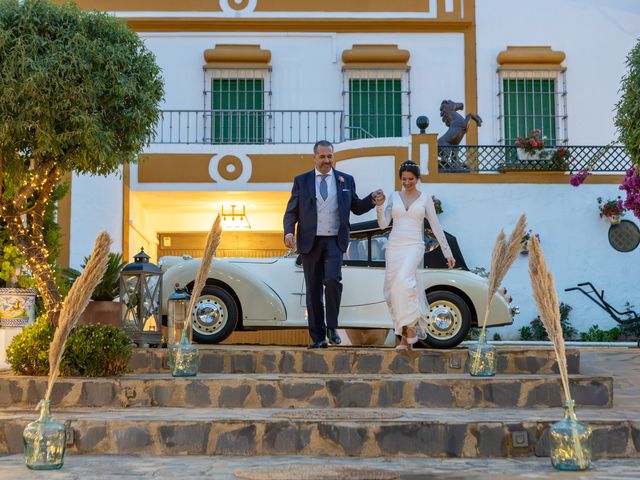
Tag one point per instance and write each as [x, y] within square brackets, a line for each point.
[222, 127]
[500, 158]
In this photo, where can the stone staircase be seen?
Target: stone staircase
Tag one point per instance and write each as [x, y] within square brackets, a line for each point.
[338, 402]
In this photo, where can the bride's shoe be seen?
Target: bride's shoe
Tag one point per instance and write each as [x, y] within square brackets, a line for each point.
[403, 347]
[411, 336]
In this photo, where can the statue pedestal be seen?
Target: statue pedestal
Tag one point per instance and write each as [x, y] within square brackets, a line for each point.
[6, 335]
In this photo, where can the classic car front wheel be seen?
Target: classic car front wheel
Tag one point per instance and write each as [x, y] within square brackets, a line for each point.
[214, 316]
[449, 319]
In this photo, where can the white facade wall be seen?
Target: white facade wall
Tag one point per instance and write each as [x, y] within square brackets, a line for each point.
[96, 205]
[596, 36]
[307, 68]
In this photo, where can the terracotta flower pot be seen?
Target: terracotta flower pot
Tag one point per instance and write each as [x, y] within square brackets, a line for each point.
[102, 313]
[614, 219]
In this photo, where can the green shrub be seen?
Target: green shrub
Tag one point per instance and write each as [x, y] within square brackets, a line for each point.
[536, 330]
[28, 352]
[91, 351]
[474, 333]
[96, 351]
[526, 333]
[595, 334]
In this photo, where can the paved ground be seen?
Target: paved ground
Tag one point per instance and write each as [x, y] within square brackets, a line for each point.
[621, 363]
[285, 468]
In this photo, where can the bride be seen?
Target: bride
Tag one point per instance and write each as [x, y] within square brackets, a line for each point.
[403, 287]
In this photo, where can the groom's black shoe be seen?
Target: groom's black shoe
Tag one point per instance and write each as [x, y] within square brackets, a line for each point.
[322, 344]
[333, 337]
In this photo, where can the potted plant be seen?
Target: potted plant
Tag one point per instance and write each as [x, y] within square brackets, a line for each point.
[559, 159]
[102, 309]
[531, 147]
[611, 210]
[437, 205]
[17, 297]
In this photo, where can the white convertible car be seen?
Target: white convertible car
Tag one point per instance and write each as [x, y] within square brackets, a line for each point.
[267, 293]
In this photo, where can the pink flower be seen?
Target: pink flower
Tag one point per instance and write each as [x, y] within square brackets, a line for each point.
[578, 178]
[534, 144]
[631, 185]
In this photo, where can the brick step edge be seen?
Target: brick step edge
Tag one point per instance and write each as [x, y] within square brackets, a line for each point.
[263, 360]
[612, 439]
[310, 392]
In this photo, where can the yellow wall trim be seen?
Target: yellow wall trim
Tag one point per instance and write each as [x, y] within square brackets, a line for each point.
[338, 25]
[262, 5]
[375, 54]
[529, 55]
[174, 168]
[126, 210]
[227, 54]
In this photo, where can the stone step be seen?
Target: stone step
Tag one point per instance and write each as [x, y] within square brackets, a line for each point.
[245, 359]
[308, 390]
[472, 433]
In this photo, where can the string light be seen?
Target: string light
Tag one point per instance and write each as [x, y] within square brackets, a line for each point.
[28, 236]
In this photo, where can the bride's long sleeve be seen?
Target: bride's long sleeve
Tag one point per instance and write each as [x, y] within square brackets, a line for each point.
[384, 214]
[436, 228]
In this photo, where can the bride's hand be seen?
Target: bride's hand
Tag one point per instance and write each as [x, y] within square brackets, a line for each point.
[451, 262]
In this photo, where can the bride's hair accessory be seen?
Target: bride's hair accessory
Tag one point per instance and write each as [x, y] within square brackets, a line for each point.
[409, 166]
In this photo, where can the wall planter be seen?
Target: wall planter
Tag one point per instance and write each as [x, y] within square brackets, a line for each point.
[17, 310]
[17, 307]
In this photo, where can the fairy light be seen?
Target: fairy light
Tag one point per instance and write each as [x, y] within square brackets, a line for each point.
[29, 235]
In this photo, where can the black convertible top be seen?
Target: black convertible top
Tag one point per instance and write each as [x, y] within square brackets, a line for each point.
[432, 258]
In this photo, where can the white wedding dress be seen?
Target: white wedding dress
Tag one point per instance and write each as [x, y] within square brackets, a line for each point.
[404, 256]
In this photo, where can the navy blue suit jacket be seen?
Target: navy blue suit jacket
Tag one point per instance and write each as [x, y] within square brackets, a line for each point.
[302, 211]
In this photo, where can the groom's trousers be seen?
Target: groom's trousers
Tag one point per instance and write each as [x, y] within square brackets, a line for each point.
[322, 271]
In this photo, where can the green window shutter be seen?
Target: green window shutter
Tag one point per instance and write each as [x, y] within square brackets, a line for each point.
[375, 108]
[528, 105]
[237, 110]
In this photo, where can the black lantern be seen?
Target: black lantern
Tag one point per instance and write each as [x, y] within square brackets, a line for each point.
[140, 300]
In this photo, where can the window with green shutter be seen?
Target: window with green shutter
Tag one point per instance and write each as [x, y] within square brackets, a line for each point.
[529, 104]
[237, 110]
[375, 108]
[531, 100]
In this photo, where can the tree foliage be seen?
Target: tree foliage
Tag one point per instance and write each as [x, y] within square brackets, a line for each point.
[79, 92]
[628, 108]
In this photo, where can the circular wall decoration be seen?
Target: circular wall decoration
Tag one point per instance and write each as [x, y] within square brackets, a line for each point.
[625, 236]
[230, 168]
[234, 6]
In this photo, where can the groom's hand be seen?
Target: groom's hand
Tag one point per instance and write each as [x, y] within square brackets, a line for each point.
[378, 197]
[289, 241]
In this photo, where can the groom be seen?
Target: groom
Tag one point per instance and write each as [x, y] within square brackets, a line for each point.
[320, 203]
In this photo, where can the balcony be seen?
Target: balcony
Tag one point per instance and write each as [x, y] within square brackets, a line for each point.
[502, 159]
[249, 127]
[272, 127]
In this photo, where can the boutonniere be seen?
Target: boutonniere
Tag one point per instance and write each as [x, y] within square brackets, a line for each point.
[341, 179]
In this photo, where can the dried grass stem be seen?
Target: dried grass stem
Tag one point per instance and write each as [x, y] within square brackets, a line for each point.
[75, 303]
